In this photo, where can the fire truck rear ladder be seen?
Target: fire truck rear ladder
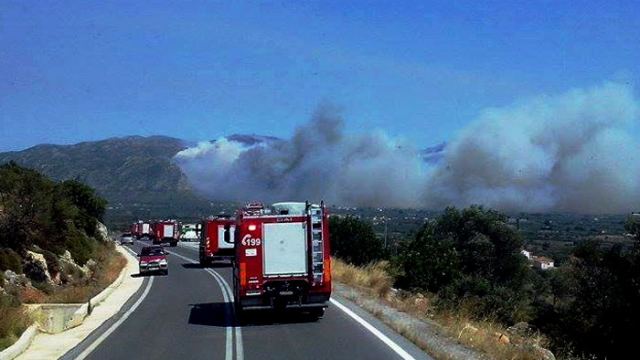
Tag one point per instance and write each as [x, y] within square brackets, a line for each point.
[317, 251]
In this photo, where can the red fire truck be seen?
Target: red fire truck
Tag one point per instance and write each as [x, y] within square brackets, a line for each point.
[282, 258]
[141, 229]
[133, 229]
[166, 231]
[212, 245]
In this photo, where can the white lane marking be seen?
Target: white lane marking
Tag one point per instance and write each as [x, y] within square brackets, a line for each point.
[113, 327]
[395, 347]
[236, 329]
[228, 298]
[229, 315]
[372, 329]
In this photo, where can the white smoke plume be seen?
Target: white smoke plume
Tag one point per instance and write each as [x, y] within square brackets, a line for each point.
[570, 152]
[573, 152]
[319, 162]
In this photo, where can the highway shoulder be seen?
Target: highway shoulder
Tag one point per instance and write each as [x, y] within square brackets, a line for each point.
[68, 344]
[407, 346]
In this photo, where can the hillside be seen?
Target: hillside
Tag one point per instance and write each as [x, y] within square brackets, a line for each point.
[118, 167]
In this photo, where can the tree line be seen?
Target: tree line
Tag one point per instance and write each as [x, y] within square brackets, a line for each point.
[52, 216]
[470, 258]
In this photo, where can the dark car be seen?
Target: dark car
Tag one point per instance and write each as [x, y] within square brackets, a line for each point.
[153, 259]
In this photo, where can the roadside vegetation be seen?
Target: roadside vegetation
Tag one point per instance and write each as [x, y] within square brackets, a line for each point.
[464, 271]
[52, 245]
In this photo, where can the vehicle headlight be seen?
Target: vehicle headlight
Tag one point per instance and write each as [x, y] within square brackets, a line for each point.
[163, 262]
[143, 263]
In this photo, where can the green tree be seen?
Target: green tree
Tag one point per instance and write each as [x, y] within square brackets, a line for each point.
[355, 241]
[598, 311]
[632, 225]
[36, 212]
[429, 262]
[91, 207]
[470, 255]
[25, 196]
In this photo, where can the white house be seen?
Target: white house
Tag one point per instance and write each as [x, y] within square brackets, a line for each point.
[542, 263]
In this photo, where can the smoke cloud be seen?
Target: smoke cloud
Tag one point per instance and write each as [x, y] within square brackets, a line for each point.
[319, 162]
[570, 152]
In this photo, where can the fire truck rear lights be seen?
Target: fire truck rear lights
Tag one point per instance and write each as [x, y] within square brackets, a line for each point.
[252, 227]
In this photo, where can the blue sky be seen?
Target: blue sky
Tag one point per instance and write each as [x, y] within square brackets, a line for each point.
[76, 71]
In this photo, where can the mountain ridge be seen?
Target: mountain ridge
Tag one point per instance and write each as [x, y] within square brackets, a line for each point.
[134, 168]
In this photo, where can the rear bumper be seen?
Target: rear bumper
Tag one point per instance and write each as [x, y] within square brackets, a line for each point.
[219, 257]
[262, 302]
[147, 269]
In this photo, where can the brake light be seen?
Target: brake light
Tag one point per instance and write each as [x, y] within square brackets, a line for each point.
[252, 227]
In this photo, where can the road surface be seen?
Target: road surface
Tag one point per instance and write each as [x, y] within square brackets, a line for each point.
[188, 315]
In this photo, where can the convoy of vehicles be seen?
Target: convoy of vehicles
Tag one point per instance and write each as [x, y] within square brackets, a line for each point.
[213, 246]
[153, 259]
[280, 254]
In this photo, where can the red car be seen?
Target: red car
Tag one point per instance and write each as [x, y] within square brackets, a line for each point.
[153, 259]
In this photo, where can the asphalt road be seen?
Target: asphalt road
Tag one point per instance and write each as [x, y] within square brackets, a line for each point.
[188, 315]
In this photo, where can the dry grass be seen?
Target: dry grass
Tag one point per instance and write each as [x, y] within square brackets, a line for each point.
[31, 295]
[373, 279]
[486, 336]
[13, 322]
[109, 266]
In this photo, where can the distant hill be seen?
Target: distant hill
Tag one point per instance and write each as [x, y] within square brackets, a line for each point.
[136, 174]
[124, 169]
[253, 139]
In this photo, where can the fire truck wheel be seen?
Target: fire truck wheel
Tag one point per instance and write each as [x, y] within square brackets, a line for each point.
[166, 272]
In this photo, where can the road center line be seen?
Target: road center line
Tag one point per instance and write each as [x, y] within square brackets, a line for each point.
[372, 329]
[237, 329]
[228, 298]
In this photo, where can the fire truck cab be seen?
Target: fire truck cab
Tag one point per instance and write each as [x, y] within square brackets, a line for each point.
[213, 246]
[282, 258]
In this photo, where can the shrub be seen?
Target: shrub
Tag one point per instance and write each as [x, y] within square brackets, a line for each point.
[10, 260]
[80, 246]
[354, 241]
[469, 255]
[13, 321]
[53, 265]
